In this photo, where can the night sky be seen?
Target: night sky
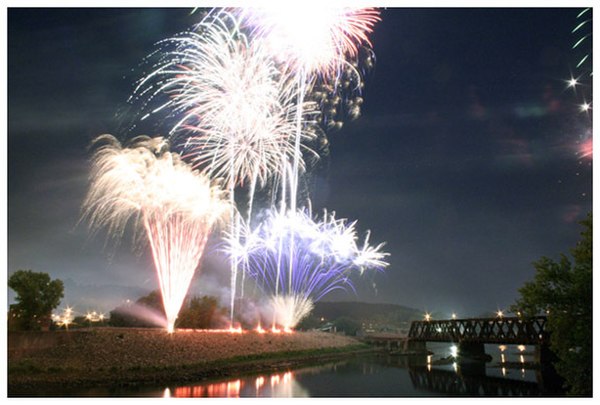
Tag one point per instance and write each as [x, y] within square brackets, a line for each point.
[466, 159]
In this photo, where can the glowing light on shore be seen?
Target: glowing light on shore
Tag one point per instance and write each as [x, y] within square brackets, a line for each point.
[65, 318]
[176, 206]
[94, 316]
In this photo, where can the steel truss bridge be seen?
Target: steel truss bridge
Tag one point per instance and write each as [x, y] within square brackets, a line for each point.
[505, 330]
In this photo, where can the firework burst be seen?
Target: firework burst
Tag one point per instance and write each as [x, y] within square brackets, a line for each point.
[176, 206]
[234, 111]
[236, 91]
[308, 45]
[236, 116]
[311, 40]
[297, 260]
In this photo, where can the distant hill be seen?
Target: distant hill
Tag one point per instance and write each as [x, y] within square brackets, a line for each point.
[369, 316]
[364, 311]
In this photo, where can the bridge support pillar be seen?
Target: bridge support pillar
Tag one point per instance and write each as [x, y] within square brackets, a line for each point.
[472, 350]
[415, 346]
[471, 368]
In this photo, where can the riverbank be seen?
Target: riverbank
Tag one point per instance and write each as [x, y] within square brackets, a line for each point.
[119, 356]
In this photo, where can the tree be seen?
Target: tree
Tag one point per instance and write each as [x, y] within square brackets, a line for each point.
[37, 296]
[153, 300]
[563, 290]
[199, 313]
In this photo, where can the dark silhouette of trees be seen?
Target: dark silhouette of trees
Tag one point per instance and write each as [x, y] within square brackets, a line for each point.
[199, 313]
[153, 301]
[37, 296]
[563, 290]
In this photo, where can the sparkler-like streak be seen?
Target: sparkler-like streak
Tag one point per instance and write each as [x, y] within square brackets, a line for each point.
[235, 111]
[242, 113]
[322, 255]
[334, 34]
[236, 114]
[176, 206]
[316, 41]
[583, 32]
[309, 50]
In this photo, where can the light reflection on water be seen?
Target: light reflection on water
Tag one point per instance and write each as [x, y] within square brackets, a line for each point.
[373, 375]
[386, 376]
[271, 385]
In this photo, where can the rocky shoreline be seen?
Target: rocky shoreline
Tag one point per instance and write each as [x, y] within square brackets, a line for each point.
[129, 357]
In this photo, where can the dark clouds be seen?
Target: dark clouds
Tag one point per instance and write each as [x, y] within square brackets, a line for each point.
[464, 160]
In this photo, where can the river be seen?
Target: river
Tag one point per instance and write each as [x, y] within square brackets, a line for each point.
[375, 375]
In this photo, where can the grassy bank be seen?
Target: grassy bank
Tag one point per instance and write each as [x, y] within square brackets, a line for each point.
[129, 357]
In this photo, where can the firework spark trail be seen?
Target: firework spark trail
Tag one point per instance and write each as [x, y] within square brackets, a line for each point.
[176, 206]
[316, 41]
[241, 107]
[319, 51]
[236, 113]
[583, 30]
[324, 256]
[233, 107]
[334, 33]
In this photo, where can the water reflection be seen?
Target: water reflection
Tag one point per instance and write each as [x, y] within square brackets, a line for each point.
[272, 385]
[450, 382]
[511, 372]
[507, 375]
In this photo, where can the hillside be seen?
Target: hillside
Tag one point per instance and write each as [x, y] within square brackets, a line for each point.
[368, 317]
